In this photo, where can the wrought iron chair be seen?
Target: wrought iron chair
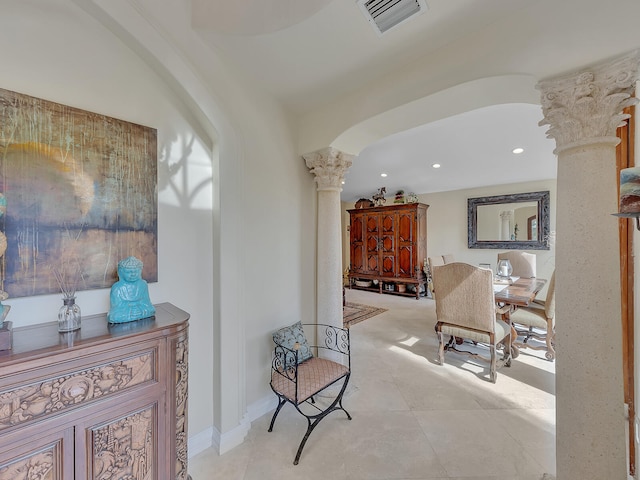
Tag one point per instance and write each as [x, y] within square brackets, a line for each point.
[298, 374]
[523, 263]
[537, 322]
[466, 309]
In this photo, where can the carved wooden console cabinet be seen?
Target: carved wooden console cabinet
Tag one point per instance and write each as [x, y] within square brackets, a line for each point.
[105, 402]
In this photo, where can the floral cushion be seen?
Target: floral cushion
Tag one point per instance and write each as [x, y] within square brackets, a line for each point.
[288, 337]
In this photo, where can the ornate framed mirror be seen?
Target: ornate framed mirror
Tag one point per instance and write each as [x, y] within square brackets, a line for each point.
[518, 221]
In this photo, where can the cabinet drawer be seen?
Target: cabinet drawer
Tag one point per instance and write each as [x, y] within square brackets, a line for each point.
[25, 403]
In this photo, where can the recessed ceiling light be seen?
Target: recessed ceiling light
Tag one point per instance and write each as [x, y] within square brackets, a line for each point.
[383, 174]
[436, 165]
[342, 182]
[518, 150]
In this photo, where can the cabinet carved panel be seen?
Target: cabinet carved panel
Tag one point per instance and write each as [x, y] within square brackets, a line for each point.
[356, 230]
[405, 228]
[40, 465]
[125, 449]
[182, 378]
[31, 402]
[388, 265]
[387, 244]
[405, 261]
[388, 224]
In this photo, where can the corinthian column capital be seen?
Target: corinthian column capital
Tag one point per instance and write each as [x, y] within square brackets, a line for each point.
[586, 107]
[329, 166]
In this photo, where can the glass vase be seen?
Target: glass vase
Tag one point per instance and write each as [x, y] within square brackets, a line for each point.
[504, 268]
[69, 315]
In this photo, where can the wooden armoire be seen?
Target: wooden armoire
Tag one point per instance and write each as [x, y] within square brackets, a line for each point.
[388, 248]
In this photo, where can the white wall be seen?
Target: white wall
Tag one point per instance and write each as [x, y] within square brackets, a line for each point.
[236, 219]
[447, 225]
[100, 74]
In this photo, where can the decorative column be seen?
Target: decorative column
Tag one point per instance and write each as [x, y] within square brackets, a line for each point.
[583, 110]
[329, 166]
[505, 224]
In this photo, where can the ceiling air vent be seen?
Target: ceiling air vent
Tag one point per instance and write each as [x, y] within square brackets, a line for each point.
[383, 15]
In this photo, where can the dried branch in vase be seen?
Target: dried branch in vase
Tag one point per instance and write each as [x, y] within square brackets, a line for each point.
[67, 269]
[68, 277]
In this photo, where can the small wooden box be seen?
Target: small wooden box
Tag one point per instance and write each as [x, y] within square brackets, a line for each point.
[6, 336]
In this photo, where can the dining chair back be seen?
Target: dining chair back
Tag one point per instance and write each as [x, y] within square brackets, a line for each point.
[437, 261]
[537, 322]
[523, 263]
[448, 258]
[466, 309]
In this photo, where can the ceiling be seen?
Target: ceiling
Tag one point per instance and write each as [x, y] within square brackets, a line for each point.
[334, 51]
[310, 53]
[473, 149]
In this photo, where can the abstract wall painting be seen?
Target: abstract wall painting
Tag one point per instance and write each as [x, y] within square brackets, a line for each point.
[81, 194]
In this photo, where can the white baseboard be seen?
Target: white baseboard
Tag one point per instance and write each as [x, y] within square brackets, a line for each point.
[233, 438]
[222, 443]
[262, 407]
[200, 442]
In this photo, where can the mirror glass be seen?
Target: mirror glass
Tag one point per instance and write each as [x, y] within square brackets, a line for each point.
[516, 221]
[508, 221]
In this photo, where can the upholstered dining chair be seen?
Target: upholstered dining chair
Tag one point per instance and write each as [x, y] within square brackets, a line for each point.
[437, 261]
[466, 309]
[523, 263]
[448, 258]
[537, 322]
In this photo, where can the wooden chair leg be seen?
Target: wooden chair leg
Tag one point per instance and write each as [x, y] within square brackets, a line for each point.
[551, 351]
[492, 371]
[507, 343]
[440, 348]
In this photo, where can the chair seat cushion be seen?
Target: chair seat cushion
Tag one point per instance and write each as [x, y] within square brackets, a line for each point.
[313, 375]
[531, 316]
[501, 331]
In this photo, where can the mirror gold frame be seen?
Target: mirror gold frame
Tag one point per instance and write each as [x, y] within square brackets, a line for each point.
[543, 202]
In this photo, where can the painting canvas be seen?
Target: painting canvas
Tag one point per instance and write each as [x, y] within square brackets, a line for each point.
[81, 194]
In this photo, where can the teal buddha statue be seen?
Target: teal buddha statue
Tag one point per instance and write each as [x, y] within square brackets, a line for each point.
[130, 294]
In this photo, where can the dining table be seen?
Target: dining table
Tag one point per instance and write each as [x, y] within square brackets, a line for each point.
[516, 292]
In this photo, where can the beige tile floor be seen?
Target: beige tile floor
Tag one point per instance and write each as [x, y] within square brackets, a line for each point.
[412, 418]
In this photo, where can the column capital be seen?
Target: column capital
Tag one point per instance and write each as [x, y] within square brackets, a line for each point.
[585, 107]
[329, 166]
